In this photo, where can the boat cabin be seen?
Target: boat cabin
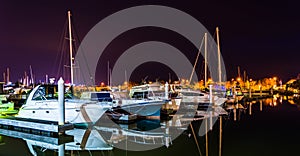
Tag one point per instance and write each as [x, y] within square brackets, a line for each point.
[47, 92]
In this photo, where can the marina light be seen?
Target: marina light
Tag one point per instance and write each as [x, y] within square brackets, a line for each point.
[102, 84]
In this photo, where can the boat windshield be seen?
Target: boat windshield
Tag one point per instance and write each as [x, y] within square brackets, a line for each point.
[48, 92]
[101, 96]
[192, 94]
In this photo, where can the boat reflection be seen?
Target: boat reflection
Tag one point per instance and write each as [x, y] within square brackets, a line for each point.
[142, 135]
[83, 140]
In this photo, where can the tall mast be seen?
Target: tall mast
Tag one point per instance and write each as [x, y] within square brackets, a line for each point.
[108, 74]
[219, 56]
[4, 77]
[71, 49]
[31, 75]
[7, 75]
[239, 72]
[205, 59]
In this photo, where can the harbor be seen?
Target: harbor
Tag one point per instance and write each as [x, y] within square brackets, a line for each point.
[249, 124]
[122, 78]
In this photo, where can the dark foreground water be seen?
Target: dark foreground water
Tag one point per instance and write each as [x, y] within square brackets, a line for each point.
[268, 127]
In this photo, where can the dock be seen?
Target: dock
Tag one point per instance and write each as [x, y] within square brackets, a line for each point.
[32, 125]
[36, 137]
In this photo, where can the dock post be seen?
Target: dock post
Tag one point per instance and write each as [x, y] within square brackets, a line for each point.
[61, 150]
[250, 95]
[61, 102]
[260, 105]
[260, 91]
[210, 95]
[166, 91]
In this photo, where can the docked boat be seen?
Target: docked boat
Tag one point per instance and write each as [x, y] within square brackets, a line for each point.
[42, 104]
[142, 107]
[6, 107]
[144, 100]
[121, 100]
[196, 96]
[235, 95]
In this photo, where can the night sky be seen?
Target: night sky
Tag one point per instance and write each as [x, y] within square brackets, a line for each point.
[262, 37]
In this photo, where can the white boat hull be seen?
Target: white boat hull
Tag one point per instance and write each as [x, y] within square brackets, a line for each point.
[74, 112]
[142, 107]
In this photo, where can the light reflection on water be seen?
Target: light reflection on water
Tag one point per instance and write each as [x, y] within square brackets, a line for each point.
[264, 127]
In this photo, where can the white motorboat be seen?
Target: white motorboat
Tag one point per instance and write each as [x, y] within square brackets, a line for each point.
[42, 104]
[142, 106]
[194, 96]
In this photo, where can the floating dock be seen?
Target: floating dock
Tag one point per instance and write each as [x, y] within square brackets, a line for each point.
[32, 125]
[36, 137]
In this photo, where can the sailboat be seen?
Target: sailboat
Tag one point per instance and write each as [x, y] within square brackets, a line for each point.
[42, 102]
[200, 97]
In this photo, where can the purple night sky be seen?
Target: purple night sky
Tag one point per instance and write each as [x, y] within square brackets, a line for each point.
[260, 37]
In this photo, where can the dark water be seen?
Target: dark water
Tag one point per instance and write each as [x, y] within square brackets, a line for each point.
[271, 129]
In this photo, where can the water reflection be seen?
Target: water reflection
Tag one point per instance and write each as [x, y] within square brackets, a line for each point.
[237, 110]
[158, 137]
[74, 140]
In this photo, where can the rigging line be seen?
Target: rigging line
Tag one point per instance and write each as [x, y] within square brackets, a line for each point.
[209, 42]
[56, 69]
[62, 52]
[199, 51]
[83, 53]
[62, 62]
[76, 47]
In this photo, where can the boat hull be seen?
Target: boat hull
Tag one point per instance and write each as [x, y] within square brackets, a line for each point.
[74, 112]
[143, 108]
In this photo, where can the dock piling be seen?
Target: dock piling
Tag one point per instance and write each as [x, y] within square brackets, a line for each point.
[61, 102]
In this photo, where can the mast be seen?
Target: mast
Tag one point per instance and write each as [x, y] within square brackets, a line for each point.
[4, 77]
[25, 79]
[205, 60]
[71, 49]
[239, 72]
[31, 75]
[108, 74]
[219, 56]
[7, 75]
